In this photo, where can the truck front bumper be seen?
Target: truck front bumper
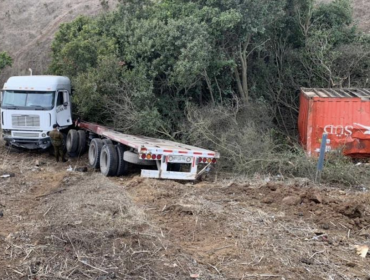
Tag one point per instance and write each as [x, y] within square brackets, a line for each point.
[31, 144]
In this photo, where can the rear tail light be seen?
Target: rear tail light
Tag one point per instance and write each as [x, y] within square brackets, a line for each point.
[150, 156]
[207, 160]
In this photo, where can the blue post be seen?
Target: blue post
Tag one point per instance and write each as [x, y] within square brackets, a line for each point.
[320, 163]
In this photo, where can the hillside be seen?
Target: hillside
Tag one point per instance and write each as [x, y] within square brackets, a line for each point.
[27, 29]
[361, 10]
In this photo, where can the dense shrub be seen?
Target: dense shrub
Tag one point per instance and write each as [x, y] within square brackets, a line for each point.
[223, 74]
[249, 144]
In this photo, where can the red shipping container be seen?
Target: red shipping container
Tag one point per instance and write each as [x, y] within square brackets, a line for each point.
[344, 114]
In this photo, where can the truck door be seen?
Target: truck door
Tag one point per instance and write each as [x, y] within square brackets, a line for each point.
[63, 108]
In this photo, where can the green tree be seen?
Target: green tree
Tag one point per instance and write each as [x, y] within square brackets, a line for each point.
[5, 60]
[78, 46]
[158, 56]
[236, 28]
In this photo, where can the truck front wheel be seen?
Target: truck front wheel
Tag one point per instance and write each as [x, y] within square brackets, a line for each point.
[72, 141]
[108, 160]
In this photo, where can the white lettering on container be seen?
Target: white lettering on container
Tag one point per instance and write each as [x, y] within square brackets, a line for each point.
[338, 130]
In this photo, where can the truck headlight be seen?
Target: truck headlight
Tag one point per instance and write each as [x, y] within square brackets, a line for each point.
[43, 135]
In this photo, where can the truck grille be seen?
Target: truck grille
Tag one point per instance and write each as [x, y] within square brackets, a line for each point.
[25, 135]
[25, 120]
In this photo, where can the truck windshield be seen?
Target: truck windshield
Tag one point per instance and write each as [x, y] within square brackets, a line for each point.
[28, 100]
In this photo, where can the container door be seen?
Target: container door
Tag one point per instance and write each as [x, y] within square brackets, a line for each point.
[63, 109]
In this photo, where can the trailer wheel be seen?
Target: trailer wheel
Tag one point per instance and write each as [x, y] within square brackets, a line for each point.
[107, 141]
[122, 167]
[72, 141]
[108, 160]
[96, 145]
[82, 142]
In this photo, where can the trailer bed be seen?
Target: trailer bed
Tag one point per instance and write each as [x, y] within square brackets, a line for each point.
[148, 144]
[163, 153]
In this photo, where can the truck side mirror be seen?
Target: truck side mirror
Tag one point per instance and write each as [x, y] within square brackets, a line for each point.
[65, 98]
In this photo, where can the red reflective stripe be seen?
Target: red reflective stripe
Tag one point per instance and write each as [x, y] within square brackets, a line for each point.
[182, 152]
[210, 154]
[167, 151]
[197, 153]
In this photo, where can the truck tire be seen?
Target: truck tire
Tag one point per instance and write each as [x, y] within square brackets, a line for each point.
[82, 142]
[108, 160]
[107, 141]
[122, 167]
[96, 145]
[72, 141]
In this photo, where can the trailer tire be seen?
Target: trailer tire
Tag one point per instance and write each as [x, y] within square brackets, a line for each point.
[95, 148]
[82, 142]
[72, 141]
[108, 160]
[107, 141]
[122, 167]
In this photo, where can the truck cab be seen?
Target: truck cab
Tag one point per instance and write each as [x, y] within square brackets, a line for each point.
[30, 105]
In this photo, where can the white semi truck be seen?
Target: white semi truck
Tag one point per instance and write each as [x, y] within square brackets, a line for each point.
[32, 104]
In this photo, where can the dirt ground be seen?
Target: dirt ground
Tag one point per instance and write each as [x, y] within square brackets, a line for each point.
[59, 224]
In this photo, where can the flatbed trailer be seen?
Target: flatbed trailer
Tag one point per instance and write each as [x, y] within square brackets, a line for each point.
[113, 151]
